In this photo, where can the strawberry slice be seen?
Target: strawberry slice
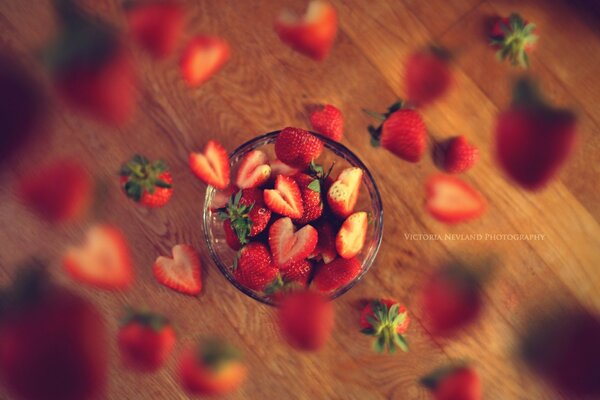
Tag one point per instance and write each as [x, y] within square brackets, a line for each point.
[212, 165]
[254, 170]
[287, 246]
[278, 167]
[286, 198]
[180, 273]
[336, 274]
[343, 193]
[351, 236]
[312, 34]
[452, 200]
[103, 260]
[203, 57]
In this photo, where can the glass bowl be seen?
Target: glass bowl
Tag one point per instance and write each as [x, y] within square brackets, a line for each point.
[369, 200]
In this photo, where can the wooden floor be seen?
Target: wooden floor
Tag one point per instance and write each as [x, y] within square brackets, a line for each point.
[266, 86]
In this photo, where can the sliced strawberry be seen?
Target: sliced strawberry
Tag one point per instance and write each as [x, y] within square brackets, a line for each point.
[212, 165]
[254, 268]
[285, 199]
[343, 193]
[336, 274]
[254, 170]
[351, 236]
[203, 57]
[103, 261]
[326, 244]
[288, 246]
[329, 122]
[452, 200]
[180, 273]
[280, 168]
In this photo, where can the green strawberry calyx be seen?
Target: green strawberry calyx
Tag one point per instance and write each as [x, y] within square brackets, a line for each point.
[384, 325]
[238, 214]
[433, 380]
[375, 132]
[146, 318]
[143, 176]
[518, 37]
[318, 173]
[217, 354]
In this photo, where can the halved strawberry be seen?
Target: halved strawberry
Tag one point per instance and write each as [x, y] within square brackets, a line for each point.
[180, 273]
[312, 34]
[343, 193]
[254, 267]
[104, 259]
[336, 274]
[254, 170]
[351, 236]
[280, 168]
[288, 246]
[212, 165]
[452, 200]
[202, 58]
[310, 189]
[326, 244]
[285, 198]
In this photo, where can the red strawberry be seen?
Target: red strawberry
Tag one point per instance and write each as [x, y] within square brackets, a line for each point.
[254, 170]
[514, 38]
[298, 272]
[312, 34]
[203, 57]
[386, 320]
[182, 272]
[221, 197]
[146, 183]
[254, 268]
[214, 368]
[533, 139]
[280, 168]
[231, 236]
[103, 260]
[156, 25]
[452, 200]
[428, 76]
[328, 122]
[336, 274]
[326, 244]
[58, 192]
[52, 341]
[306, 320]
[343, 193]
[402, 132]
[297, 147]
[454, 383]
[212, 165]
[145, 340]
[288, 246]
[310, 188]
[248, 214]
[460, 155]
[351, 237]
[285, 198]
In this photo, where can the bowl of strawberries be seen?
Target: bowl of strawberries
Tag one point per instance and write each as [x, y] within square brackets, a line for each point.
[299, 211]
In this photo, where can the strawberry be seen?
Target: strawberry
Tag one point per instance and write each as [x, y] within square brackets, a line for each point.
[386, 320]
[231, 236]
[61, 191]
[343, 193]
[212, 165]
[533, 139]
[310, 188]
[253, 171]
[514, 38]
[103, 260]
[351, 237]
[280, 168]
[402, 132]
[156, 25]
[53, 342]
[452, 200]
[248, 214]
[454, 383]
[460, 155]
[285, 199]
[312, 34]
[182, 272]
[254, 266]
[145, 340]
[288, 246]
[427, 76]
[203, 57]
[329, 122]
[213, 368]
[221, 197]
[338, 273]
[146, 183]
[306, 320]
[298, 272]
[297, 147]
[326, 244]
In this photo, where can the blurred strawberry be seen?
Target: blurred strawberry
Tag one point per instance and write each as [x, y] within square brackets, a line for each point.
[328, 121]
[460, 155]
[297, 148]
[254, 266]
[203, 57]
[454, 383]
[427, 76]
[338, 273]
[533, 139]
[451, 200]
[52, 341]
[146, 183]
[247, 213]
[212, 165]
[182, 273]
[156, 25]
[386, 320]
[58, 192]
[514, 38]
[313, 33]
[280, 168]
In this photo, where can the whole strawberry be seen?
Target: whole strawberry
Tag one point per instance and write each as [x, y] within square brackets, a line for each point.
[428, 76]
[310, 188]
[454, 383]
[533, 139]
[386, 320]
[329, 122]
[247, 214]
[306, 320]
[145, 340]
[147, 183]
[297, 147]
[460, 155]
[402, 132]
[254, 266]
[514, 38]
[338, 273]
